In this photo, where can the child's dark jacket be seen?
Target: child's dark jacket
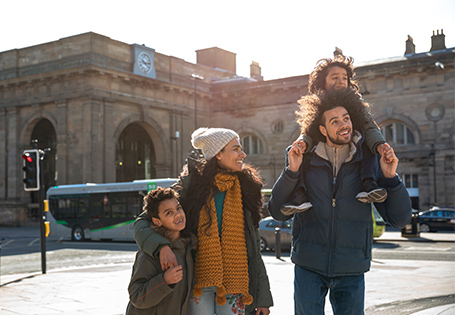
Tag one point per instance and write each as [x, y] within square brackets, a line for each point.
[149, 294]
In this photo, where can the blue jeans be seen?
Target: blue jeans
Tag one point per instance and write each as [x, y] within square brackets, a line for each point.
[347, 293]
[207, 304]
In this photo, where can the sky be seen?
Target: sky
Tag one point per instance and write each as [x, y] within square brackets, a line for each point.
[285, 37]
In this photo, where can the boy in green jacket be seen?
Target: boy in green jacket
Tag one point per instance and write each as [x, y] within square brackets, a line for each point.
[151, 290]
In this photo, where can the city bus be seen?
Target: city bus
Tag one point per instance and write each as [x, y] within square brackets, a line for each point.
[98, 211]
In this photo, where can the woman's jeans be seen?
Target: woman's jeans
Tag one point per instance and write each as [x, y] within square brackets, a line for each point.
[347, 293]
[207, 304]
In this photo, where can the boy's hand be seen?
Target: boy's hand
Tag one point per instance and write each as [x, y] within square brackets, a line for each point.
[295, 155]
[262, 311]
[173, 275]
[389, 161]
[381, 148]
[167, 258]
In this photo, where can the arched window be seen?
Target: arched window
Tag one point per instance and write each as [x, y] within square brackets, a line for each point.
[397, 134]
[251, 144]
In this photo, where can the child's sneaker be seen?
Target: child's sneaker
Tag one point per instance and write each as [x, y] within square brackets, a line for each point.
[372, 192]
[299, 203]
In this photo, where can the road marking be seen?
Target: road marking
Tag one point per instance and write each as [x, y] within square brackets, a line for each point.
[8, 242]
[33, 242]
[432, 249]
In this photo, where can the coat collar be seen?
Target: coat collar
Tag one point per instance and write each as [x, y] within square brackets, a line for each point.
[357, 140]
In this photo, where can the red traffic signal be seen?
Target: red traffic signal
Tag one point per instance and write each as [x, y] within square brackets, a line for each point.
[31, 170]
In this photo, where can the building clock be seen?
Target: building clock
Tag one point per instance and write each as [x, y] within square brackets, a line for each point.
[144, 62]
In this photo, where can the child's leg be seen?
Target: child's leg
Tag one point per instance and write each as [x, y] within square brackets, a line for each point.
[369, 166]
[369, 169]
[299, 200]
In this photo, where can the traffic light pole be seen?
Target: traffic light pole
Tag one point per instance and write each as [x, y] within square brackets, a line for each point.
[41, 195]
[42, 214]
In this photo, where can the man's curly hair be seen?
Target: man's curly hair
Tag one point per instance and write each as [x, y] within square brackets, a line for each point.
[313, 106]
[317, 76]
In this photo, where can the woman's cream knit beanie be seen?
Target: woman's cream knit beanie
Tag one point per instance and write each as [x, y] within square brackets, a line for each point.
[212, 140]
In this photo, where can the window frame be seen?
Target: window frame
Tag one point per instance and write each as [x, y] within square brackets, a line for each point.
[406, 131]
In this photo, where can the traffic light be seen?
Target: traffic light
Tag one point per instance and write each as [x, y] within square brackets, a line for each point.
[31, 169]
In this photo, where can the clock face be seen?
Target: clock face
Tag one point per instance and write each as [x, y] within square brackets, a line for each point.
[144, 62]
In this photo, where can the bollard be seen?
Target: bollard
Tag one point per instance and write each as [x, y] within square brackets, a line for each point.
[413, 228]
[278, 243]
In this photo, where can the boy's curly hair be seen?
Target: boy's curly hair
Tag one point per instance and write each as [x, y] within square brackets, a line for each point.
[154, 198]
[313, 106]
[317, 76]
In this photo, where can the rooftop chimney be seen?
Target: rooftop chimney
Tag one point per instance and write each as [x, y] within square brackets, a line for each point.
[438, 41]
[410, 47]
[255, 71]
[217, 58]
[337, 52]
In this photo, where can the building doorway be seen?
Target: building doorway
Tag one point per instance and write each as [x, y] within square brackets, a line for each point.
[135, 155]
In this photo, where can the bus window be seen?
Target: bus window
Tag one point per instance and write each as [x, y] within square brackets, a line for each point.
[67, 208]
[118, 205]
[134, 204]
[96, 206]
[53, 207]
[82, 209]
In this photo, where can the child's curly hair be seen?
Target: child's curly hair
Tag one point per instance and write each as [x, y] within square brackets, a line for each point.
[154, 198]
[317, 76]
[313, 106]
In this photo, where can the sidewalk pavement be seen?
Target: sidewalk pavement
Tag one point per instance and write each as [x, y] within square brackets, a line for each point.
[392, 286]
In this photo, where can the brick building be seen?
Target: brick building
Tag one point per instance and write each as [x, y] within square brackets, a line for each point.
[112, 111]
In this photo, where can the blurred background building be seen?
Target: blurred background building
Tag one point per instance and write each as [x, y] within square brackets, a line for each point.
[112, 112]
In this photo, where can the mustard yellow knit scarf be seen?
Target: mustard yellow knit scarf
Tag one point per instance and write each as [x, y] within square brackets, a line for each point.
[223, 263]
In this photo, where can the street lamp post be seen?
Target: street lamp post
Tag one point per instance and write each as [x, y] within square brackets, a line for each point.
[435, 112]
[196, 77]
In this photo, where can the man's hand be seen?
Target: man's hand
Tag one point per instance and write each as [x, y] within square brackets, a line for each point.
[389, 161]
[167, 258]
[295, 155]
[173, 275]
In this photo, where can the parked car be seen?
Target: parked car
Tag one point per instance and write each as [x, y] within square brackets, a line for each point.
[267, 232]
[378, 222]
[266, 194]
[437, 219]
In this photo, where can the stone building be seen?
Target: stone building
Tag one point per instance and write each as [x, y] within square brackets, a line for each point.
[111, 111]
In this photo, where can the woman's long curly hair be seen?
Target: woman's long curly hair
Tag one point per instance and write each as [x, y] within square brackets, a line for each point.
[200, 175]
[317, 76]
[313, 106]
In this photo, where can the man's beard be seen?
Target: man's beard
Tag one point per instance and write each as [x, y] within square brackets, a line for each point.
[339, 142]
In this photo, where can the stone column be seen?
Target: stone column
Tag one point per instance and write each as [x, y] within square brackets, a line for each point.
[62, 146]
[109, 142]
[14, 165]
[86, 141]
[97, 142]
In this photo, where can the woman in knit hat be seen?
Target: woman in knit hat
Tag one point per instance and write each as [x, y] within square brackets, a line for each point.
[222, 198]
